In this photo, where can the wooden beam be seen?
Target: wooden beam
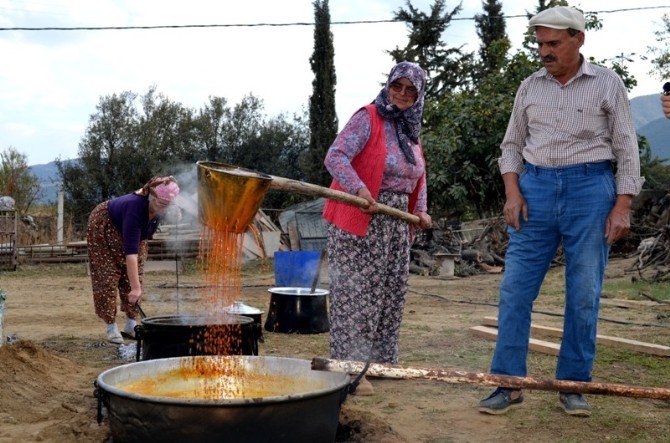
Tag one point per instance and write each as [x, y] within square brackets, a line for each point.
[452, 376]
[545, 347]
[535, 329]
[635, 304]
[624, 343]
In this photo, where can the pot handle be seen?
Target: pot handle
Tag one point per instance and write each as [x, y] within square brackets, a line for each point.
[139, 333]
[354, 384]
[256, 337]
[103, 398]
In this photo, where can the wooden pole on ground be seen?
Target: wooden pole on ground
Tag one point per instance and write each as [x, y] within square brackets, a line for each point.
[452, 376]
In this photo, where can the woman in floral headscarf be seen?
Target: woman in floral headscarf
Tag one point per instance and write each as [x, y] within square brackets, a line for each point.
[117, 235]
[377, 156]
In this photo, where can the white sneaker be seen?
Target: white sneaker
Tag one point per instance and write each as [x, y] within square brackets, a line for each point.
[113, 334]
[129, 328]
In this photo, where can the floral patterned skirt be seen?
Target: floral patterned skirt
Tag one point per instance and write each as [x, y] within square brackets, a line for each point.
[107, 262]
[368, 281]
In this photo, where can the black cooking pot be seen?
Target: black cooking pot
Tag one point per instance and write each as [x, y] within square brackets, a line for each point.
[298, 310]
[181, 336]
[240, 308]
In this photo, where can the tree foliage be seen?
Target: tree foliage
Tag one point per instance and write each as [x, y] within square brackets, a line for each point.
[494, 41]
[448, 68]
[661, 62]
[656, 172]
[322, 116]
[129, 139]
[462, 144]
[16, 180]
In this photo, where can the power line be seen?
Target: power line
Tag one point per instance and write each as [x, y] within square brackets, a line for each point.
[250, 25]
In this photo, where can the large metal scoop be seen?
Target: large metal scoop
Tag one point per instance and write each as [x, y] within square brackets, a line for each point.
[230, 196]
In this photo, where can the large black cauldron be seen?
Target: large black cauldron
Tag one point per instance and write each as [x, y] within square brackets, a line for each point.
[300, 404]
[182, 336]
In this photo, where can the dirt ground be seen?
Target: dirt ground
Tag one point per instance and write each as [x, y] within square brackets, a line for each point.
[58, 349]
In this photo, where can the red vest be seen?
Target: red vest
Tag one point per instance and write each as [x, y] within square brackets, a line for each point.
[369, 165]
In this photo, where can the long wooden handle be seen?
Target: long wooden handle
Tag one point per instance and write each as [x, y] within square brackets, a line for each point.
[451, 376]
[287, 184]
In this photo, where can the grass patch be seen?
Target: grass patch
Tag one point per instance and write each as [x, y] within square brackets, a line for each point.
[621, 366]
[631, 290]
[56, 270]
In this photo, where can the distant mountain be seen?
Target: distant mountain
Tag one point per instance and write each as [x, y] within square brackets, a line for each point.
[649, 121]
[47, 175]
[658, 136]
[646, 109]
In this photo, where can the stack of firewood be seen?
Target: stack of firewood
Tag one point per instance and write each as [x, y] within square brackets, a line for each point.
[481, 252]
[651, 232]
[653, 257]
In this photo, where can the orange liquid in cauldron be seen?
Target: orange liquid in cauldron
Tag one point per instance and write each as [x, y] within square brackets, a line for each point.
[187, 382]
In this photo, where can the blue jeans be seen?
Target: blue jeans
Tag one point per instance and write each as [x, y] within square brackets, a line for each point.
[568, 205]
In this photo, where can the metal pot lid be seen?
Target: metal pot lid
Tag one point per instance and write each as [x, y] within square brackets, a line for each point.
[299, 291]
[239, 307]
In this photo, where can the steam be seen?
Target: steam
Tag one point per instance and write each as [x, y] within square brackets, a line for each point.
[184, 213]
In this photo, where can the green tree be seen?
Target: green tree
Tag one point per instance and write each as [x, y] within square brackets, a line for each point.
[129, 139]
[16, 180]
[165, 132]
[209, 127]
[656, 172]
[322, 116]
[661, 62]
[108, 159]
[491, 31]
[448, 68]
[463, 143]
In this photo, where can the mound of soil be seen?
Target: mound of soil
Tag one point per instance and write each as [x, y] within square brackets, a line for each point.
[46, 396]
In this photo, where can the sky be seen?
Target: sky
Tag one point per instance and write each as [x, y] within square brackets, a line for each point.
[52, 81]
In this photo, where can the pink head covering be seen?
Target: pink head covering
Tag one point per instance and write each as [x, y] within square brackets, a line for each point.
[167, 191]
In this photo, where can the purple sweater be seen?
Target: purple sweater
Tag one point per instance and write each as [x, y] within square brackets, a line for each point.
[130, 216]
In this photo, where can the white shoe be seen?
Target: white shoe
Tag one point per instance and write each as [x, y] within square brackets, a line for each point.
[113, 334]
[129, 328]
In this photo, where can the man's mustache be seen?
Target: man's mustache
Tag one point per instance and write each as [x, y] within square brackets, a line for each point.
[549, 58]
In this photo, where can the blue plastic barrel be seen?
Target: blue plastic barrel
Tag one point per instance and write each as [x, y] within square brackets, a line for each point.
[296, 269]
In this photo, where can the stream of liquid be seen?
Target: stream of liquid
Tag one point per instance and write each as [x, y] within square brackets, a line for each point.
[220, 253]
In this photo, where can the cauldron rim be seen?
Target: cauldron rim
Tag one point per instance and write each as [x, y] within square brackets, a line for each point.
[196, 320]
[174, 363]
[299, 291]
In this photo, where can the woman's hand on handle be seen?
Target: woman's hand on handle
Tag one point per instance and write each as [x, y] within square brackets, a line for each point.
[365, 194]
[132, 268]
[134, 296]
[425, 222]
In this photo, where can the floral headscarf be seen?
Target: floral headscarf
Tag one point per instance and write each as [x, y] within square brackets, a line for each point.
[408, 122]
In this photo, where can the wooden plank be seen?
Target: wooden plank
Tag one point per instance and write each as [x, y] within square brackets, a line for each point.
[544, 347]
[624, 343]
[535, 329]
[635, 304]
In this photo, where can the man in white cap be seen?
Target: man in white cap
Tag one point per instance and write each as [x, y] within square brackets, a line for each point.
[571, 120]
